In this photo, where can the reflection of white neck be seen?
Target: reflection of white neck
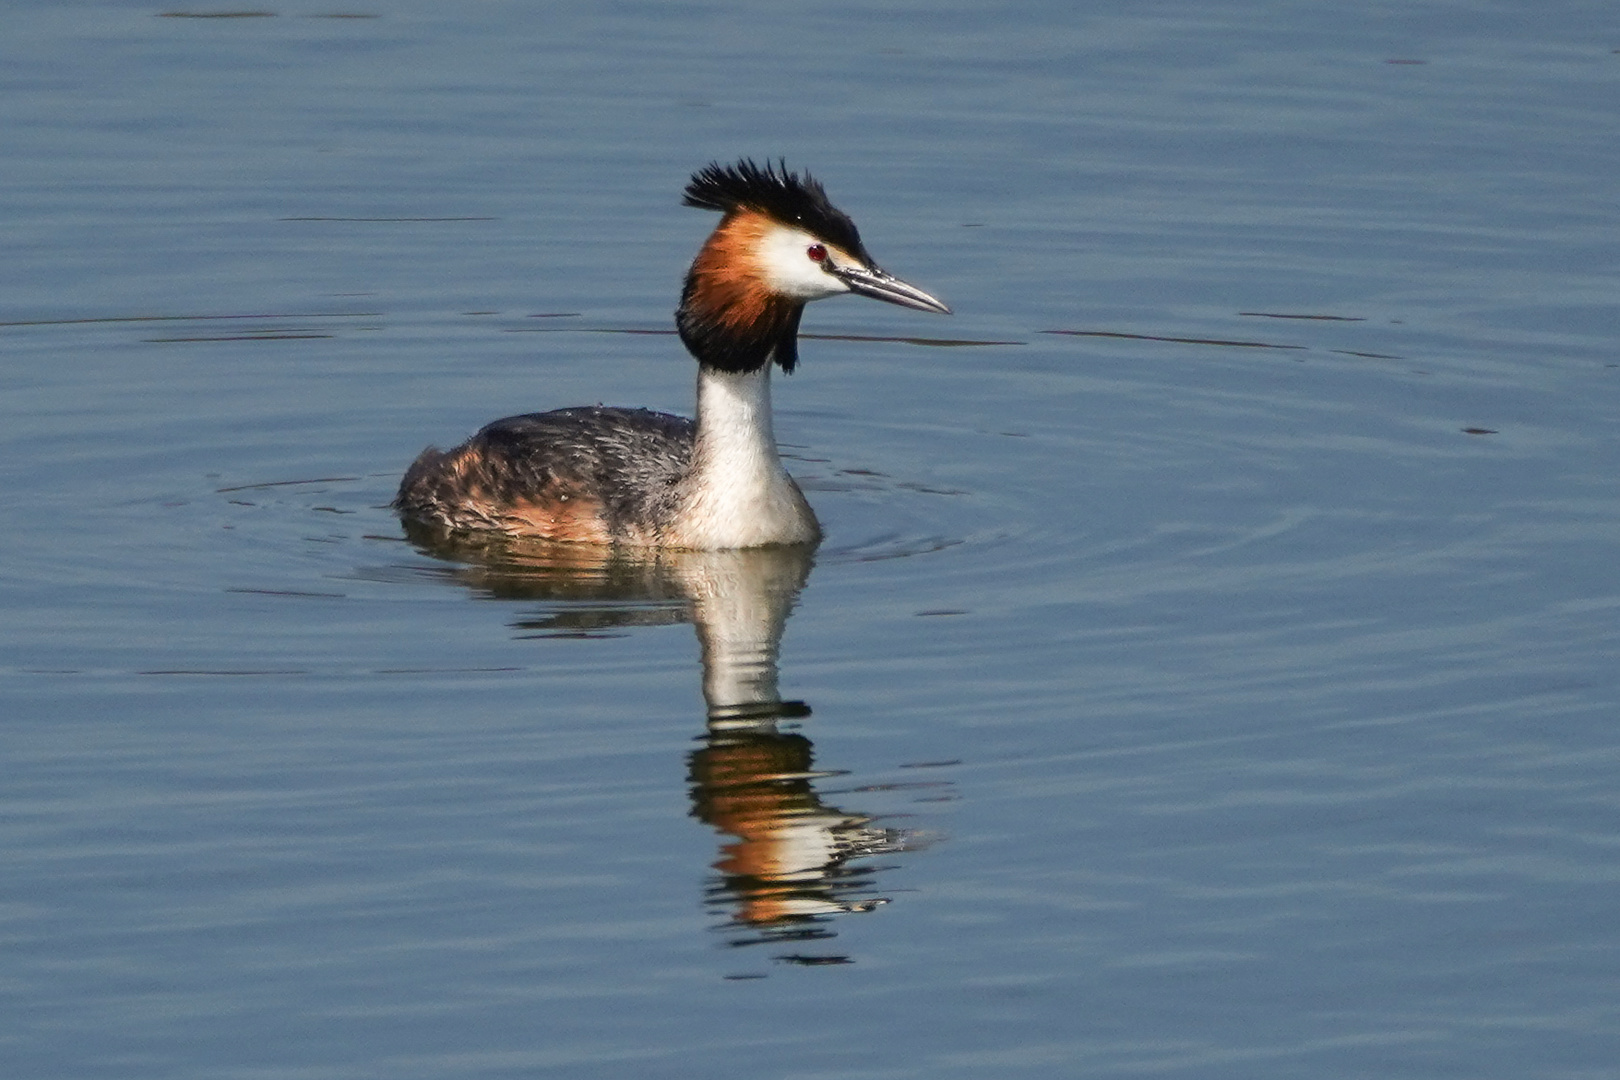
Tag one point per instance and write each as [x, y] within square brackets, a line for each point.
[738, 494]
[739, 630]
[740, 604]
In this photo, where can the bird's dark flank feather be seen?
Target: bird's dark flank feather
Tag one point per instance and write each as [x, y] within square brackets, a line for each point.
[627, 460]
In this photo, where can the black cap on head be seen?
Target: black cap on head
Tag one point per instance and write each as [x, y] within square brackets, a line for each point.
[790, 198]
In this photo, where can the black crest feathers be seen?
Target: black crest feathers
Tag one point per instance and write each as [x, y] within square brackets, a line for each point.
[791, 198]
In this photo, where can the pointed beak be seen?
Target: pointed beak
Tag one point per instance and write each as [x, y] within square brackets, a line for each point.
[870, 281]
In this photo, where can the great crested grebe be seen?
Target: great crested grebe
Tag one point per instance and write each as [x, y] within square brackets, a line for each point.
[648, 479]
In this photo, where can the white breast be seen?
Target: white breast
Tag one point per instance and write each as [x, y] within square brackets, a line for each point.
[738, 494]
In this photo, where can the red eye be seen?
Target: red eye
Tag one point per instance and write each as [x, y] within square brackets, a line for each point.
[817, 253]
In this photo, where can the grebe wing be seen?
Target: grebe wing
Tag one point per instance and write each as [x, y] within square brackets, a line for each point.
[623, 464]
[593, 444]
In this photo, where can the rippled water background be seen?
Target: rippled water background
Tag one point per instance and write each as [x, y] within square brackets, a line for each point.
[1231, 630]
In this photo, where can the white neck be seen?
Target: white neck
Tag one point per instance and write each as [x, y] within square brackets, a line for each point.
[738, 494]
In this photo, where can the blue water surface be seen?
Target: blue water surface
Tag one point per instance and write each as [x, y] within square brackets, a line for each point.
[1210, 671]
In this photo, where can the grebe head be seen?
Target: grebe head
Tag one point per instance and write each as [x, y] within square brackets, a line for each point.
[780, 244]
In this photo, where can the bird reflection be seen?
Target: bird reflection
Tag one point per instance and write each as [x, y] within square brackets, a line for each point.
[789, 862]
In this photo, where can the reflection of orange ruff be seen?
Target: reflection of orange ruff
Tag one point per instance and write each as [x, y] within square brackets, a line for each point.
[757, 788]
[748, 787]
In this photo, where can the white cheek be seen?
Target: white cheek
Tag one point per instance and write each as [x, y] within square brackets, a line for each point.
[789, 271]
